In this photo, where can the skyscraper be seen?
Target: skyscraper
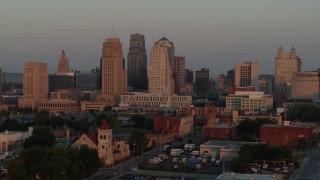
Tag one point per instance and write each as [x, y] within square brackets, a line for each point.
[247, 74]
[114, 80]
[137, 63]
[63, 66]
[202, 82]
[285, 66]
[179, 73]
[189, 76]
[160, 72]
[35, 84]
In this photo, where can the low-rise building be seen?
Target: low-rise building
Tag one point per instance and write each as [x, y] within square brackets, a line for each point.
[240, 176]
[12, 140]
[250, 101]
[179, 126]
[221, 131]
[295, 134]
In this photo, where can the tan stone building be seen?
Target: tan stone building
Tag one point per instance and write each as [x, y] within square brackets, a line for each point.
[35, 85]
[305, 85]
[63, 66]
[63, 100]
[285, 66]
[161, 68]
[247, 74]
[114, 80]
[110, 150]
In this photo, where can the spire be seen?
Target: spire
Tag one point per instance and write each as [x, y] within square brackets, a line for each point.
[293, 52]
[280, 52]
[63, 66]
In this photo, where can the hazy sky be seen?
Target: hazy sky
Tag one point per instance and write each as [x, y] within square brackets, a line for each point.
[210, 33]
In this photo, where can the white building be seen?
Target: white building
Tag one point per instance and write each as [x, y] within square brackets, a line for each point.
[250, 101]
[11, 140]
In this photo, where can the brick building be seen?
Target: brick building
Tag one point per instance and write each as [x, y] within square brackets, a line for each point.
[179, 126]
[292, 135]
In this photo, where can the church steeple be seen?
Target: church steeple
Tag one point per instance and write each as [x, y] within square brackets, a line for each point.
[293, 53]
[63, 66]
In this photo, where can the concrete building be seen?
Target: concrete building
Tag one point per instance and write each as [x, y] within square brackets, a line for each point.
[114, 80]
[189, 76]
[296, 134]
[266, 84]
[221, 84]
[247, 74]
[305, 85]
[109, 150]
[35, 85]
[250, 101]
[11, 140]
[161, 68]
[137, 63]
[285, 66]
[179, 74]
[178, 125]
[87, 81]
[63, 100]
[202, 82]
[63, 66]
[154, 101]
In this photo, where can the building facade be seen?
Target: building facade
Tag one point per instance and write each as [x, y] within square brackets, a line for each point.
[87, 81]
[148, 100]
[35, 85]
[114, 80]
[179, 126]
[161, 68]
[202, 82]
[179, 74]
[0, 85]
[63, 66]
[137, 63]
[250, 101]
[305, 85]
[61, 81]
[286, 64]
[247, 74]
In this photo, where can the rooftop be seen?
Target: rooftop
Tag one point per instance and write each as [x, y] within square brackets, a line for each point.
[240, 176]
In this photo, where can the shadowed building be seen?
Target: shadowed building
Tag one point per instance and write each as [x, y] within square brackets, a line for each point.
[179, 73]
[137, 63]
[202, 82]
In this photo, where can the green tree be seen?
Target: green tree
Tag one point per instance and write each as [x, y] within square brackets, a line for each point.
[111, 118]
[42, 117]
[139, 121]
[41, 136]
[138, 139]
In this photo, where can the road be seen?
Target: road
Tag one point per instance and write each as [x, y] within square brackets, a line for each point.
[309, 167]
[130, 165]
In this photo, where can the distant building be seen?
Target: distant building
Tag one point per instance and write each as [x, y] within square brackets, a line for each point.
[229, 79]
[114, 75]
[137, 63]
[62, 100]
[189, 76]
[148, 100]
[247, 74]
[266, 84]
[63, 66]
[12, 77]
[221, 84]
[285, 66]
[250, 101]
[161, 68]
[202, 82]
[179, 73]
[35, 85]
[11, 141]
[296, 134]
[305, 85]
[178, 125]
[110, 150]
[87, 81]
[0, 85]
[61, 81]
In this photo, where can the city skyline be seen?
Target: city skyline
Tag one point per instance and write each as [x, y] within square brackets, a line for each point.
[206, 33]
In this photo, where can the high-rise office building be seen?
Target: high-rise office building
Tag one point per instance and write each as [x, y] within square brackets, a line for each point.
[137, 63]
[189, 76]
[221, 87]
[247, 74]
[61, 81]
[266, 84]
[160, 72]
[35, 85]
[63, 66]
[286, 64]
[229, 79]
[202, 82]
[179, 73]
[114, 81]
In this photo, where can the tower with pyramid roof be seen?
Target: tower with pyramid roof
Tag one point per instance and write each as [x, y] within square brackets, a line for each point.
[105, 148]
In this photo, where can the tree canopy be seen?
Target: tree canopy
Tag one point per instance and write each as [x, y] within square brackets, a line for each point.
[42, 137]
[306, 113]
[111, 118]
[142, 122]
[251, 128]
[54, 163]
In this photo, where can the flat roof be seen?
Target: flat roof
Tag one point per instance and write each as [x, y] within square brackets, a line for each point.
[239, 176]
